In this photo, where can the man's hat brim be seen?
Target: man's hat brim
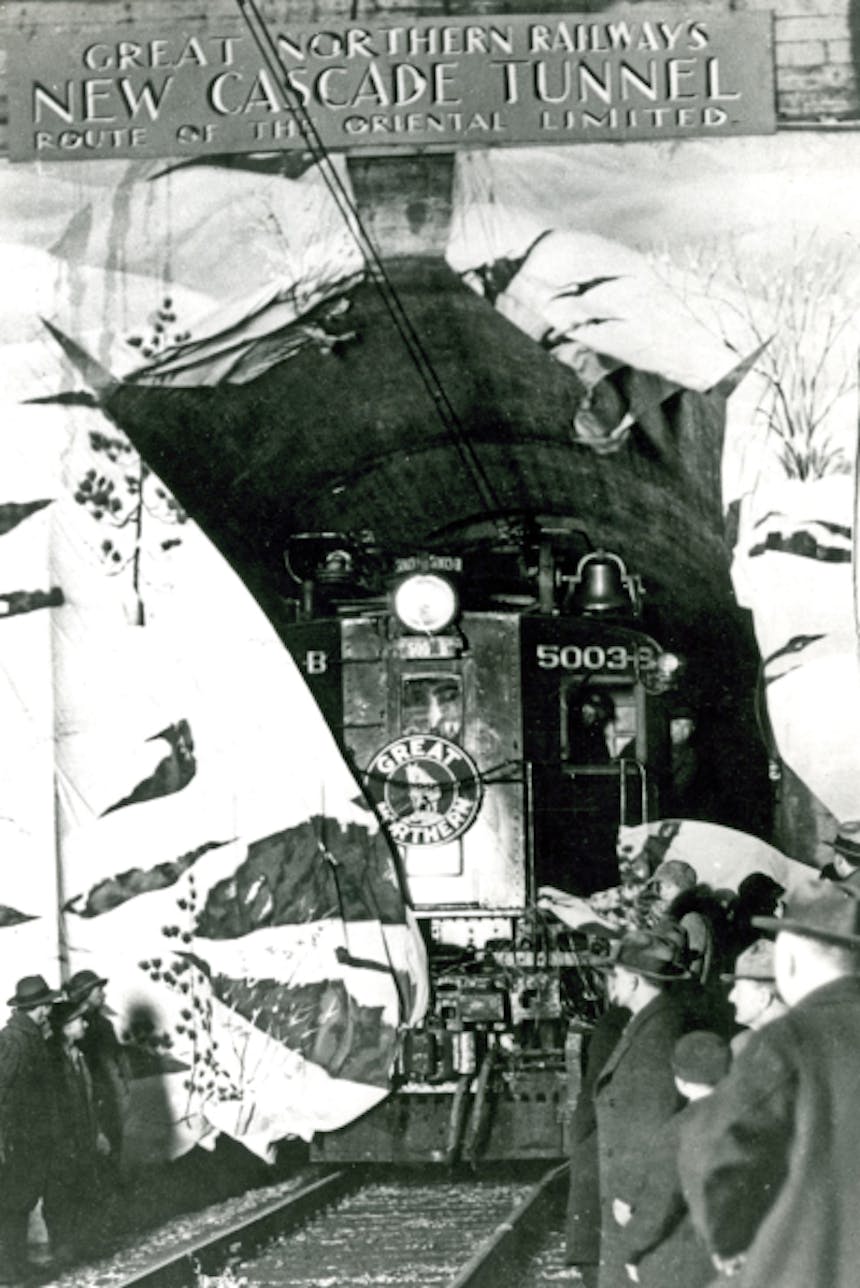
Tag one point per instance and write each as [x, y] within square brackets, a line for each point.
[663, 977]
[807, 932]
[42, 999]
[83, 988]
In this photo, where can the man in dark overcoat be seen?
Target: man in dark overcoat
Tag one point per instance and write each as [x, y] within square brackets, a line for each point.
[105, 1059]
[583, 1204]
[635, 1090]
[26, 1118]
[771, 1172]
[663, 1248]
[73, 1198]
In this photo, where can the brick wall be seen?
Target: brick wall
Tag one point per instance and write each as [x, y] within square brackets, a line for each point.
[817, 42]
[817, 52]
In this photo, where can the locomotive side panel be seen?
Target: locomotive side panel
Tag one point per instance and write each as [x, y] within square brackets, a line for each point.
[364, 685]
[593, 741]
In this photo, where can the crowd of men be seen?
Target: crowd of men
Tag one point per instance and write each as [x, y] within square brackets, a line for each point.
[62, 1095]
[717, 1134]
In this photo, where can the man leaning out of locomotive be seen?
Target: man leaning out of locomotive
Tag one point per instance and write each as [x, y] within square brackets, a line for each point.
[663, 1249]
[628, 905]
[635, 1090]
[676, 883]
[753, 993]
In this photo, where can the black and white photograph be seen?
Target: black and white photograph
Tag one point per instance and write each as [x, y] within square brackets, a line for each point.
[429, 644]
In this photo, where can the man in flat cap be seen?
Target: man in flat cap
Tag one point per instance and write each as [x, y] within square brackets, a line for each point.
[773, 1182]
[672, 878]
[663, 1249]
[635, 1090]
[753, 993]
[684, 790]
[26, 1118]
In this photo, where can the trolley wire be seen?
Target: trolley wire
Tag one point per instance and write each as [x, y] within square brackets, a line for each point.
[376, 269]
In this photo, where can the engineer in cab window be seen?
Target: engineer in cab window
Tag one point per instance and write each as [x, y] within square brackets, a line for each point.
[433, 704]
[590, 723]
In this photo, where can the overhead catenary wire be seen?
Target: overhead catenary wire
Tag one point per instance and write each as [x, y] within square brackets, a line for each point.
[343, 199]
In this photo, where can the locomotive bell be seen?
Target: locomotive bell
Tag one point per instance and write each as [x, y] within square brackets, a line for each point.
[600, 587]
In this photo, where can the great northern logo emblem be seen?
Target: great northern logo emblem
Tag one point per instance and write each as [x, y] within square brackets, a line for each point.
[426, 788]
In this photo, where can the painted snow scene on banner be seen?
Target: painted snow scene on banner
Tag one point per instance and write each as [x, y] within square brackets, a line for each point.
[730, 269]
[174, 812]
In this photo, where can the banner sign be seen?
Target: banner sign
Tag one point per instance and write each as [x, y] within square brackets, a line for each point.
[200, 88]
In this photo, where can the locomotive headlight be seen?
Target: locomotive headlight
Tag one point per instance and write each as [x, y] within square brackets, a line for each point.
[425, 602]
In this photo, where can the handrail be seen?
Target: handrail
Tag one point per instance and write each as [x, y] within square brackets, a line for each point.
[613, 769]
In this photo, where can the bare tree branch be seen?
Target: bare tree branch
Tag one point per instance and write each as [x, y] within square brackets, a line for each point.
[807, 304]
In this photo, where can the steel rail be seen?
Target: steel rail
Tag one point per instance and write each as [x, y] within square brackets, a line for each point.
[499, 1257]
[211, 1253]
[513, 1239]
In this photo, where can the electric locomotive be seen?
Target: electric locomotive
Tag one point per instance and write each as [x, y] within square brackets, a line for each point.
[506, 711]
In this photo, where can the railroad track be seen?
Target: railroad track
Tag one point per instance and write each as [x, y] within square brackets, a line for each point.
[352, 1227]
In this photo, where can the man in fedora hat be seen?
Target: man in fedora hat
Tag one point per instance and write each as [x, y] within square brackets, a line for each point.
[635, 1090]
[26, 1118]
[753, 992]
[73, 1201]
[105, 1060]
[773, 1184]
[845, 865]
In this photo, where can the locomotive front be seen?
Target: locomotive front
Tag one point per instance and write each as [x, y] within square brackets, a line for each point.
[504, 718]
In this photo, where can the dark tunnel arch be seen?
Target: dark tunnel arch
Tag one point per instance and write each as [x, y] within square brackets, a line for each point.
[347, 440]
